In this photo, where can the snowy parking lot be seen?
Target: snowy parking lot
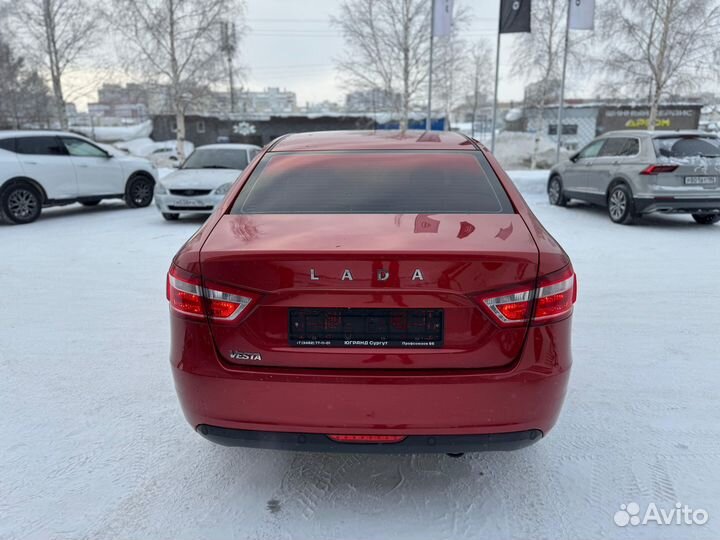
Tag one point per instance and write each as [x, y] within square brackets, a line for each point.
[94, 443]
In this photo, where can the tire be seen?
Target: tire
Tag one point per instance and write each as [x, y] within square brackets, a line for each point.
[556, 196]
[620, 206]
[21, 203]
[170, 217]
[706, 219]
[139, 191]
[90, 203]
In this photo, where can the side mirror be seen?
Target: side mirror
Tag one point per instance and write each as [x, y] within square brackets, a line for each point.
[575, 157]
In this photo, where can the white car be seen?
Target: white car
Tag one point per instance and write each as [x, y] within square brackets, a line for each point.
[51, 168]
[202, 182]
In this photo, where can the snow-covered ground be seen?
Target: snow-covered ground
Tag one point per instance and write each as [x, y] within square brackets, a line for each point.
[94, 444]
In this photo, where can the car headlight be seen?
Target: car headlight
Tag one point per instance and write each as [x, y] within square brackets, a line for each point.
[222, 190]
[160, 189]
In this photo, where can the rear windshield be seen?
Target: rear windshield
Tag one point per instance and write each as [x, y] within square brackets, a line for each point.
[217, 158]
[687, 146]
[373, 182]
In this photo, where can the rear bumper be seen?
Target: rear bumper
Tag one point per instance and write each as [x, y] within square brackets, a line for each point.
[680, 205]
[413, 444]
[523, 397]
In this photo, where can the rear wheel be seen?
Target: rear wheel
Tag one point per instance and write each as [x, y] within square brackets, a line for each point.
[556, 196]
[706, 219]
[170, 217]
[139, 191]
[90, 203]
[620, 205]
[21, 203]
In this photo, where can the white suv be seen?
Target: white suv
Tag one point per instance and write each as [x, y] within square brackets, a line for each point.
[50, 168]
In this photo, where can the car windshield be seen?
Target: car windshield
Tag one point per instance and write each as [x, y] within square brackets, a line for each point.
[217, 158]
[373, 182]
[687, 146]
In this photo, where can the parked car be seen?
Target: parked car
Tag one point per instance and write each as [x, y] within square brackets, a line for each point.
[372, 292]
[634, 173]
[202, 182]
[51, 168]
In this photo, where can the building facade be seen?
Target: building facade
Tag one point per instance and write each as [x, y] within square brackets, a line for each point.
[582, 122]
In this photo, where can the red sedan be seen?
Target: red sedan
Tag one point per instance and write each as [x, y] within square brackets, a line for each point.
[372, 292]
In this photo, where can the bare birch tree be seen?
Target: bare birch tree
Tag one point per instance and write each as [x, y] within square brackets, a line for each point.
[387, 47]
[178, 44]
[537, 57]
[61, 32]
[662, 45]
[477, 84]
[24, 98]
[452, 64]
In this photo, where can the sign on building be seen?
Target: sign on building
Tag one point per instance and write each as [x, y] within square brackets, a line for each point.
[670, 117]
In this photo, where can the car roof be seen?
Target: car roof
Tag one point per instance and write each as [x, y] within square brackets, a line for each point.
[656, 133]
[372, 140]
[229, 146]
[6, 134]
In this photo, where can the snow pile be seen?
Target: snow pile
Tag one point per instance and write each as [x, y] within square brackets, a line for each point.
[161, 153]
[513, 115]
[116, 133]
[514, 149]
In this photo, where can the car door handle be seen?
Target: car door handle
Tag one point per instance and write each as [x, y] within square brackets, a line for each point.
[30, 162]
[84, 166]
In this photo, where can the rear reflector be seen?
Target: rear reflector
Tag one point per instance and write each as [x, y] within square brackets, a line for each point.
[387, 439]
[657, 169]
[551, 301]
[187, 296]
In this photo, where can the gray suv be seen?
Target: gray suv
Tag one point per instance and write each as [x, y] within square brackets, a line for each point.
[633, 173]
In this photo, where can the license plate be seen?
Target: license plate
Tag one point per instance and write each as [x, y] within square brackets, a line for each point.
[701, 180]
[189, 202]
[373, 328]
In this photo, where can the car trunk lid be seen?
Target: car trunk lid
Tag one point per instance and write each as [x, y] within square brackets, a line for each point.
[390, 275]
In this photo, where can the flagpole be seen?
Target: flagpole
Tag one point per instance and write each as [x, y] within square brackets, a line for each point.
[495, 99]
[562, 87]
[428, 121]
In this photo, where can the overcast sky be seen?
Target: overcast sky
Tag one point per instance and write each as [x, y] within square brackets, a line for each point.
[291, 44]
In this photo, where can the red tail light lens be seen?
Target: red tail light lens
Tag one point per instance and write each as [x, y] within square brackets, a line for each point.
[657, 169]
[186, 295]
[367, 438]
[511, 308]
[552, 300]
[555, 299]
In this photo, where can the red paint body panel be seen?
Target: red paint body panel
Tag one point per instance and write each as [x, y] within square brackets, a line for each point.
[486, 378]
[527, 395]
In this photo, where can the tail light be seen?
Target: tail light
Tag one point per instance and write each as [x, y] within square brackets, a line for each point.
[550, 301]
[187, 295]
[657, 169]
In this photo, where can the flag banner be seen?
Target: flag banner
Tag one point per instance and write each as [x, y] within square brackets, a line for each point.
[442, 17]
[514, 16]
[582, 14]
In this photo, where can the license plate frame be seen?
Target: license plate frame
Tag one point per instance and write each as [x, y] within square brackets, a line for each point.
[701, 180]
[404, 328]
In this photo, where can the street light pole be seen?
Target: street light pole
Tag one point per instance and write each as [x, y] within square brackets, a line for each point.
[562, 87]
[428, 121]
